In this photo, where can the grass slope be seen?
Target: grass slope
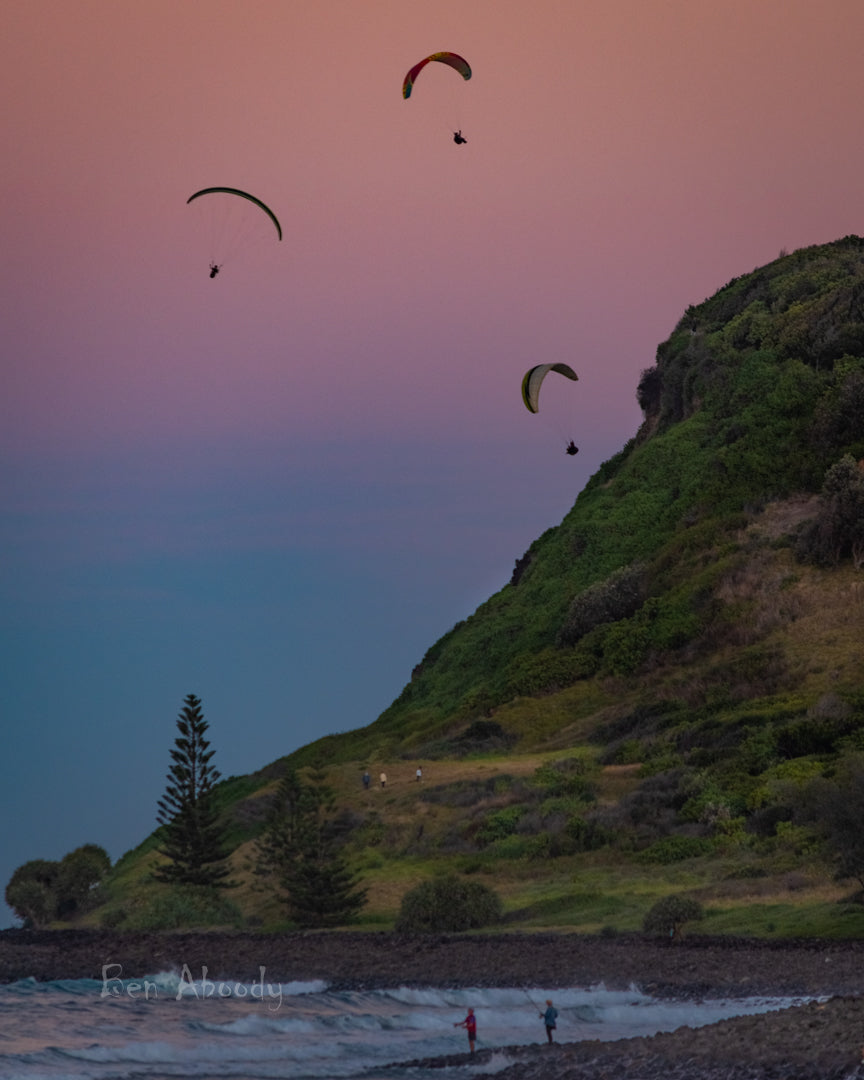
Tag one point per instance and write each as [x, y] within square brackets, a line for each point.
[628, 717]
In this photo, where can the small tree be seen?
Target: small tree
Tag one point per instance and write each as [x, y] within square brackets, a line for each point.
[301, 848]
[671, 913]
[279, 843]
[448, 904]
[43, 890]
[194, 840]
[31, 892]
[78, 875]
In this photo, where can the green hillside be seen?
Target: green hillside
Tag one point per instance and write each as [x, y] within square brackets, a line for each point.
[669, 671]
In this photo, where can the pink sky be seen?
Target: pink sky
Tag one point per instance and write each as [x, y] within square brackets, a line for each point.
[349, 398]
[623, 160]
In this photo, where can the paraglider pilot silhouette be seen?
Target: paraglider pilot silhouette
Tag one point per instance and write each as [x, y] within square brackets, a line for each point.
[214, 270]
[458, 137]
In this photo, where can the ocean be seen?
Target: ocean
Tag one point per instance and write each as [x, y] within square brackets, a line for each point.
[184, 1024]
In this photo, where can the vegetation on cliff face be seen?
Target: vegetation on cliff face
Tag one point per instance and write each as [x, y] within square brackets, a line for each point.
[669, 668]
[757, 392]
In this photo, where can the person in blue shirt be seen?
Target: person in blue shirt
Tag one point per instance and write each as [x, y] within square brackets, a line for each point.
[549, 1017]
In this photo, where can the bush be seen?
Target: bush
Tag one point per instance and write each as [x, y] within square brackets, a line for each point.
[499, 824]
[675, 849]
[448, 904]
[78, 877]
[670, 914]
[31, 892]
[544, 672]
[184, 907]
[838, 530]
[43, 890]
[619, 596]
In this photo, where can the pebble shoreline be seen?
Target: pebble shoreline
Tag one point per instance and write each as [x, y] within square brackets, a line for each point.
[818, 1040]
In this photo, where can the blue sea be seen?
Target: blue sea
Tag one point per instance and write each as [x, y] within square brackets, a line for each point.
[184, 1024]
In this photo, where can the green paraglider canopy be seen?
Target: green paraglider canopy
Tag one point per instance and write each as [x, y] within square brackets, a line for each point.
[242, 195]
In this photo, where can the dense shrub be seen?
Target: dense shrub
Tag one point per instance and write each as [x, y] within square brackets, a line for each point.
[78, 878]
[482, 736]
[570, 776]
[184, 907]
[668, 915]
[586, 834]
[546, 671]
[619, 596]
[838, 530]
[499, 824]
[31, 892]
[448, 904]
[43, 890]
[656, 802]
[676, 848]
[839, 421]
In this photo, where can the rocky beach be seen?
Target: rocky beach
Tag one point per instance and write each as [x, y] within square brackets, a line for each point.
[819, 1039]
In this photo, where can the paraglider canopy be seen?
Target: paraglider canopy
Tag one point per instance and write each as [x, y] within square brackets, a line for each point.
[241, 195]
[455, 61]
[533, 380]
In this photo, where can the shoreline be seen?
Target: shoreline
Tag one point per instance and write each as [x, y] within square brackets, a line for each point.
[815, 1040]
[692, 967]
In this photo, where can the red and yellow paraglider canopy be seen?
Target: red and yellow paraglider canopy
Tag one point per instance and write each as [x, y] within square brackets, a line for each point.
[455, 61]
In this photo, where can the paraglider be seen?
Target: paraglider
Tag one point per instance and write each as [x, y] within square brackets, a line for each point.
[452, 59]
[531, 384]
[233, 223]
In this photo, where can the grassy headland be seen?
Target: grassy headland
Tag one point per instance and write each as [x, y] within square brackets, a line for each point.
[646, 707]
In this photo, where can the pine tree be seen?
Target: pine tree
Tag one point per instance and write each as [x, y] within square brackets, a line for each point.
[193, 839]
[279, 844]
[300, 848]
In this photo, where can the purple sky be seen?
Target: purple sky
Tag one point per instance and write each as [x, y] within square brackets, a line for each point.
[277, 488]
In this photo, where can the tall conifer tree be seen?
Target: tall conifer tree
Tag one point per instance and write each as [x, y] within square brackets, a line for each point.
[193, 839]
[300, 848]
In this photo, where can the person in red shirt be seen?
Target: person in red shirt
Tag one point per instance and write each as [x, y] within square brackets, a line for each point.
[470, 1025]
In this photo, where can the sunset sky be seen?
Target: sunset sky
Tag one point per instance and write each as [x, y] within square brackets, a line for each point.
[277, 488]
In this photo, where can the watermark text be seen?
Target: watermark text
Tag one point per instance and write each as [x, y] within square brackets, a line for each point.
[188, 986]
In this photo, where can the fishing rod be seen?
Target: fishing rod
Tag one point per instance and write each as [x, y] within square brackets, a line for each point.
[534, 1003]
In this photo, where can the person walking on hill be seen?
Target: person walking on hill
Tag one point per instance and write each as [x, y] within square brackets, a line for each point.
[383, 779]
[470, 1025]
